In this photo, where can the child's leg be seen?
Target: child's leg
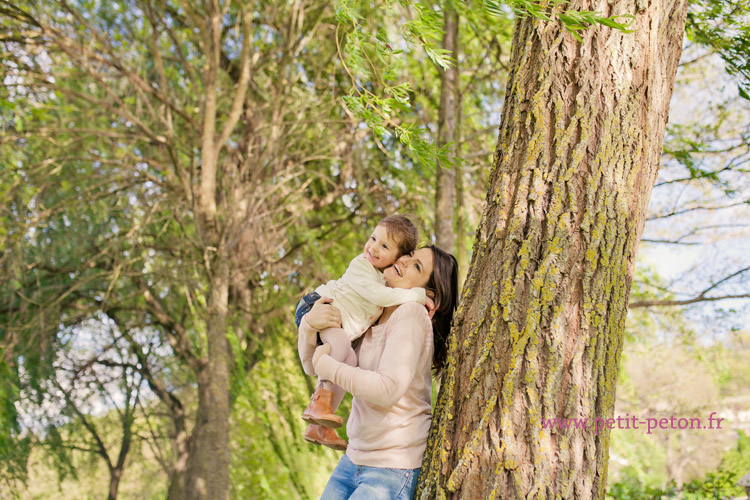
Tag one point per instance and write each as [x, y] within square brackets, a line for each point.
[338, 392]
[339, 340]
[328, 396]
[341, 350]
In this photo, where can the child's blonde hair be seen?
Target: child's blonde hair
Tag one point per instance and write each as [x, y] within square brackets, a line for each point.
[403, 231]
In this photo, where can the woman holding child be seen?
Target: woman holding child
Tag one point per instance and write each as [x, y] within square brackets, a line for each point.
[390, 379]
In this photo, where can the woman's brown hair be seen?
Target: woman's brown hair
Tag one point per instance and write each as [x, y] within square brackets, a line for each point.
[443, 283]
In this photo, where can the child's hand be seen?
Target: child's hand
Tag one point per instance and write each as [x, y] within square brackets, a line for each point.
[319, 352]
[430, 305]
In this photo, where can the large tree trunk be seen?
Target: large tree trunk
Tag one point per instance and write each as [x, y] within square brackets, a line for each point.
[445, 192]
[539, 331]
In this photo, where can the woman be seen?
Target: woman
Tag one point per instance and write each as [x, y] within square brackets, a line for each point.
[391, 411]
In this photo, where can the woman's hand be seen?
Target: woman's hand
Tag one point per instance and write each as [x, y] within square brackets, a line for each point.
[323, 315]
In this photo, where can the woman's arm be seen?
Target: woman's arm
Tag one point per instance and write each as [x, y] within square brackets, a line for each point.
[398, 363]
[322, 315]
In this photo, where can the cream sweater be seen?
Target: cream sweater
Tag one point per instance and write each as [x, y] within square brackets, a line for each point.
[361, 294]
[391, 412]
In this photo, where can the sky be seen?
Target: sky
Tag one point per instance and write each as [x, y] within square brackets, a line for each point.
[711, 243]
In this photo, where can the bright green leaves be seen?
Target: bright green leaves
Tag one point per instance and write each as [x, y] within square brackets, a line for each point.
[426, 30]
[366, 49]
[378, 98]
[13, 450]
[574, 21]
[724, 26]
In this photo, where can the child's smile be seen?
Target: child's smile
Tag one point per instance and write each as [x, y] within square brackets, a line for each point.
[381, 250]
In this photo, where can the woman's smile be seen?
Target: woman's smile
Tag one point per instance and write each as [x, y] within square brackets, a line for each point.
[398, 271]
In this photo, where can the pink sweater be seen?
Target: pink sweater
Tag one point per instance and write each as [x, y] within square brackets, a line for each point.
[391, 410]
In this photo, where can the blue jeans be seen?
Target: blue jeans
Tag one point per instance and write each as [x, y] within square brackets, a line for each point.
[360, 482]
[304, 305]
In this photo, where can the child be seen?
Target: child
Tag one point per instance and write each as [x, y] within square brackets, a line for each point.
[360, 294]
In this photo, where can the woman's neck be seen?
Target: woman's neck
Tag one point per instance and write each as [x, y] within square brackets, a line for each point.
[387, 311]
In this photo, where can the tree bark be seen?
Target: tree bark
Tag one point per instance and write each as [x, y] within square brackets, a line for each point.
[207, 476]
[208, 462]
[461, 252]
[538, 333]
[181, 447]
[445, 192]
[115, 473]
[114, 483]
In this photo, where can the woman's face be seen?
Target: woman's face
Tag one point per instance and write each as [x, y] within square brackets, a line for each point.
[410, 271]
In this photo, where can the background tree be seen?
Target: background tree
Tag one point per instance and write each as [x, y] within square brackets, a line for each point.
[182, 142]
[448, 122]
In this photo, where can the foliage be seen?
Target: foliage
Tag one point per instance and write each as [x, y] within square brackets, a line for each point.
[376, 96]
[270, 459]
[724, 26]
[86, 477]
[573, 20]
[719, 485]
[737, 459]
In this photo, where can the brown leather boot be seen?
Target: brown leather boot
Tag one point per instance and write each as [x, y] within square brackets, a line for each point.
[323, 435]
[320, 412]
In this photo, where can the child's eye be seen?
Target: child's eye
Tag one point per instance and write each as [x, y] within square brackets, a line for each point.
[385, 246]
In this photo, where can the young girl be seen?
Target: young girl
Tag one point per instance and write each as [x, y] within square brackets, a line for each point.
[360, 294]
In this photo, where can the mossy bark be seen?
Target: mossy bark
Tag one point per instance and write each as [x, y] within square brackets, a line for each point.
[539, 329]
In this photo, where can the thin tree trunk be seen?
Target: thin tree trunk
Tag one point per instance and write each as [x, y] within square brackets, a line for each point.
[178, 472]
[207, 476]
[208, 463]
[461, 253]
[445, 192]
[115, 473]
[539, 330]
[114, 483]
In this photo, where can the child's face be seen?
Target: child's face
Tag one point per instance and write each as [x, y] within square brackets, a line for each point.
[381, 250]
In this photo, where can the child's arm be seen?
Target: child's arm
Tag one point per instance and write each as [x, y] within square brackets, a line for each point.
[359, 275]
